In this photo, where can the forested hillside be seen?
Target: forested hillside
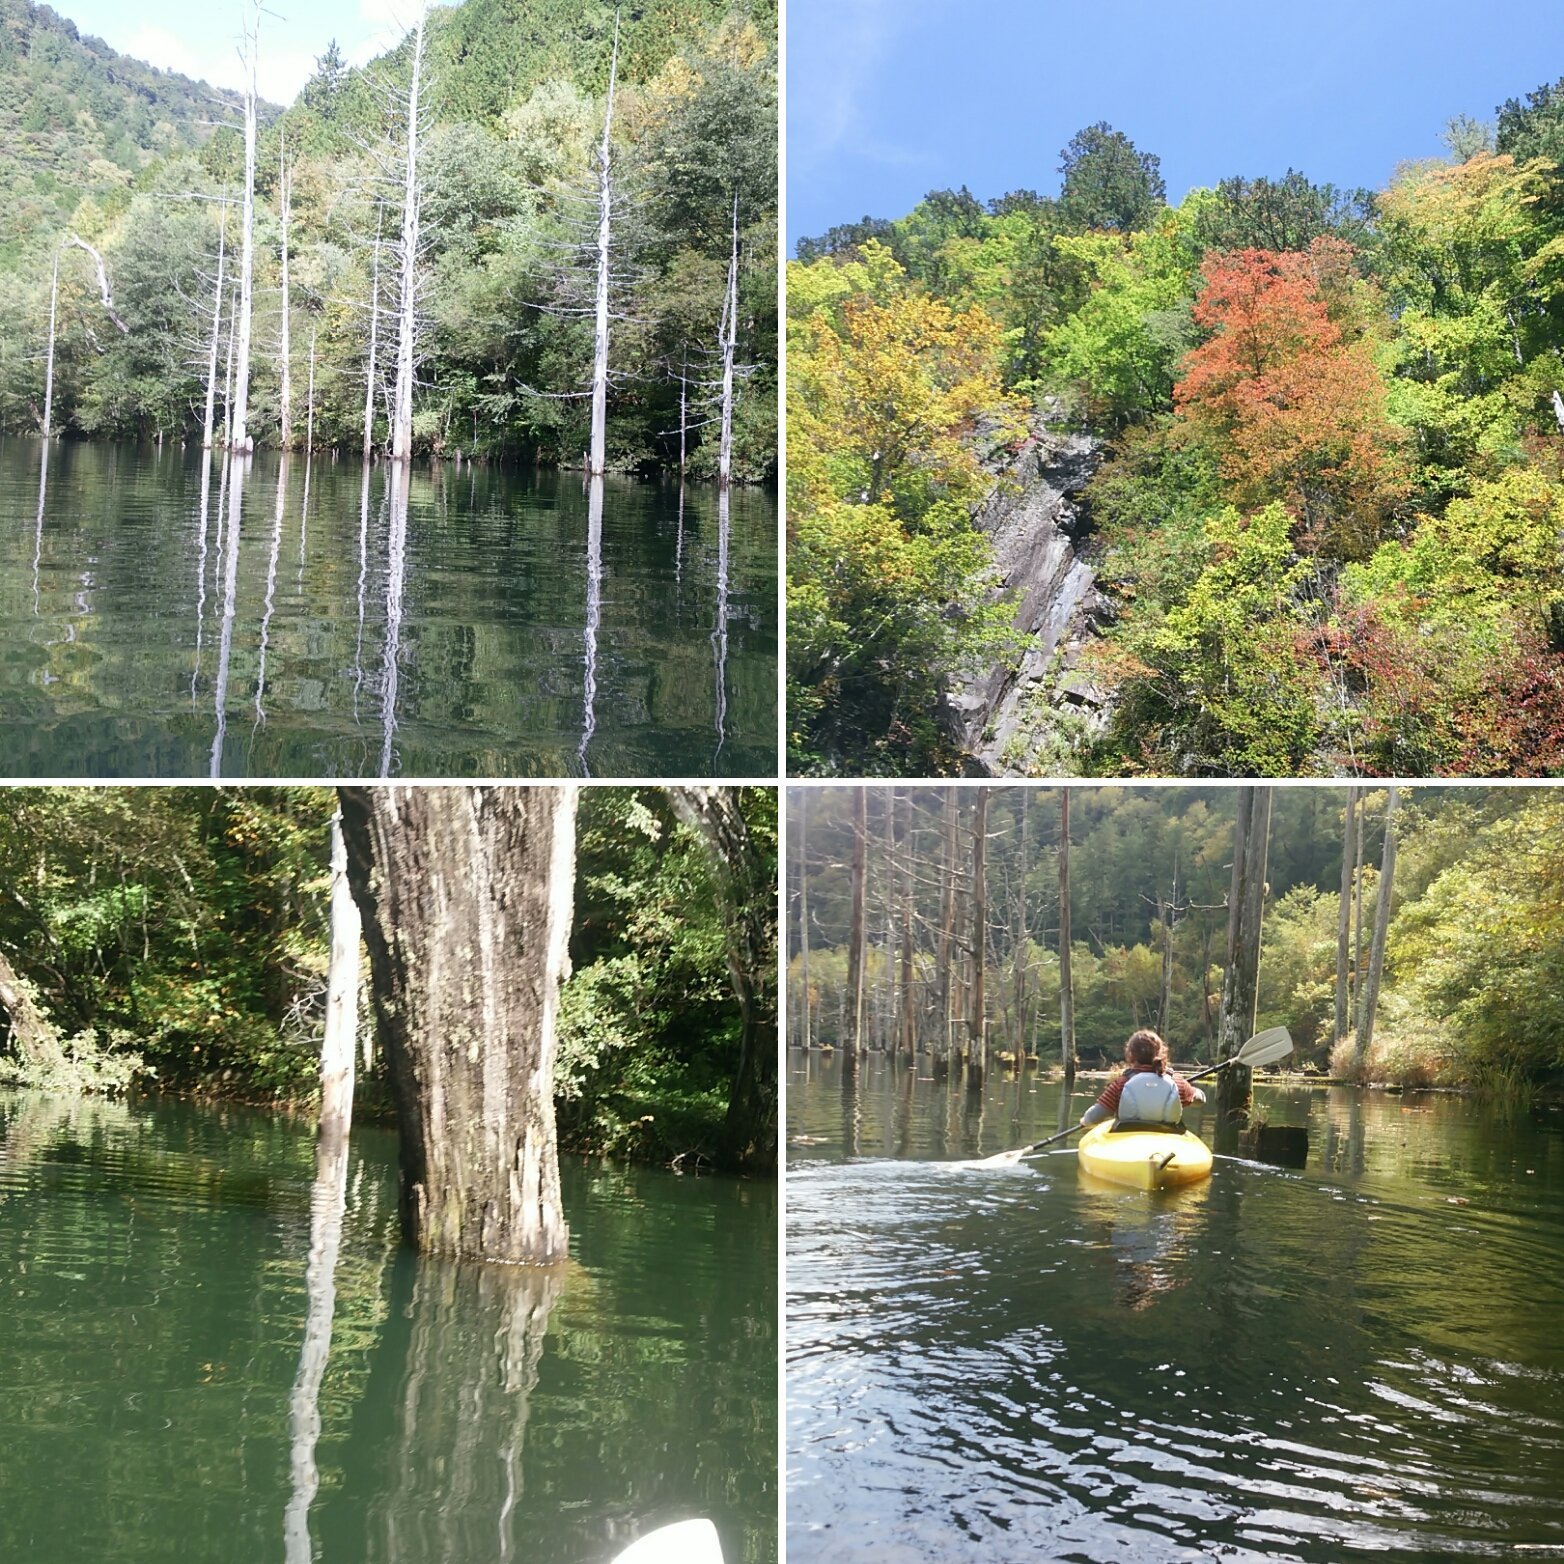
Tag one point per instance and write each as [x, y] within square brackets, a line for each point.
[513, 104]
[178, 938]
[1474, 951]
[1329, 516]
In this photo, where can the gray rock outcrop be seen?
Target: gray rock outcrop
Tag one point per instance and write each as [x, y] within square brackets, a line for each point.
[1027, 718]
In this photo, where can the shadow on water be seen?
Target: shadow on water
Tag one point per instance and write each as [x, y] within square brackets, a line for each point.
[489, 623]
[1357, 1358]
[217, 1345]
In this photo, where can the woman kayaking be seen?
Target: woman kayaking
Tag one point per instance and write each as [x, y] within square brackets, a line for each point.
[1149, 1091]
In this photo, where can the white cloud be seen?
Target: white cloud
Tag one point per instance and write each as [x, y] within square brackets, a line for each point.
[388, 23]
[280, 72]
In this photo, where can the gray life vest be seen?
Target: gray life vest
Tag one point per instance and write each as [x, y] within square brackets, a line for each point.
[1149, 1098]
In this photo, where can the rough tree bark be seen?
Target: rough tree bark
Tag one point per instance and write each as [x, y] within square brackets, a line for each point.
[598, 457]
[1387, 875]
[1241, 979]
[466, 894]
[746, 884]
[337, 1051]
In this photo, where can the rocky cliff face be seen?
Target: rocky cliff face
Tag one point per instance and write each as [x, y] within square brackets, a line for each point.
[1026, 719]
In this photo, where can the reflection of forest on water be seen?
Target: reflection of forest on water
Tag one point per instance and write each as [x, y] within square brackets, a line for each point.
[1356, 1356]
[219, 1355]
[292, 615]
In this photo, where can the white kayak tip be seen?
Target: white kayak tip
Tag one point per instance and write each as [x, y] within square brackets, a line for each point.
[685, 1542]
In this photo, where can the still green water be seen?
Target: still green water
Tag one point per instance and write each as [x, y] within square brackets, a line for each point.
[314, 619]
[154, 1401]
[1359, 1359]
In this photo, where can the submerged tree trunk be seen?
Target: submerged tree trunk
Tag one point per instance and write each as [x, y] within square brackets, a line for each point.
[908, 1023]
[977, 1029]
[407, 310]
[1387, 875]
[337, 1050]
[598, 457]
[217, 326]
[947, 931]
[48, 374]
[1066, 979]
[374, 333]
[1344, 918]
[238, 427]
[466, 894]
[803, 911]
[746, 886]
[730, 332]
[1241, 980]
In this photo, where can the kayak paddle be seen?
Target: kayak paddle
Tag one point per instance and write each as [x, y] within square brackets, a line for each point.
[1263, 1048]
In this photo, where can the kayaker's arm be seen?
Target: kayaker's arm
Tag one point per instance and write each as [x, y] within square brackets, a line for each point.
[1095, 1115]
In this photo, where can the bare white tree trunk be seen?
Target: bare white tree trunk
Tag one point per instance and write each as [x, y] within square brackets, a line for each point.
[238, 428]
[217, 326]
[402, 412]
[1066, 979]
[105, 294]
[337, 1047]
[309, 411]
[48, 374]
[374, 333]
[730, 332]
[605, 202]
[228, 372]
[285, 398]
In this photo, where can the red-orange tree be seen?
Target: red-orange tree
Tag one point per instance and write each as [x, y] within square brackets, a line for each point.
[1293, 408]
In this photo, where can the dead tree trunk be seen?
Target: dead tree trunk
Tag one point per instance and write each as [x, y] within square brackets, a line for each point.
[285, 396]
[337, 1050]
[407, 310]
[374, 333]
[1387, 875]
[947, 926]
[803, 910]
[977, 1029]
[48, 374]
[1066, 980]
[1344, 917]
[1241, 981]
[855, 935]
[730, 332]
[217, 326]
[466, 895]
[908, 1027]
[745, 873]
[597, 460]
[238, 428]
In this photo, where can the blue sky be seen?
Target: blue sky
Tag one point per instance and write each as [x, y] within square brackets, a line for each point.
[888, 99]
[201, 37]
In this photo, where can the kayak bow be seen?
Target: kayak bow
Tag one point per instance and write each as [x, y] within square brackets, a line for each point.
[1144, 1159]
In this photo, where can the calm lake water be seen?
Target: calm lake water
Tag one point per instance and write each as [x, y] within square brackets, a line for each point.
[317, 619]
[1360, 1359]
[158, 1402]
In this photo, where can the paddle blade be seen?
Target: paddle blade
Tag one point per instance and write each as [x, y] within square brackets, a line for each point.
[1265, 1048]
[1003, 1159]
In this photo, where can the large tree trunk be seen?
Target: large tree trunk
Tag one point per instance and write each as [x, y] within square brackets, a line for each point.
[1344, 918]
[1241, 982]
[908, 1024]
[1387, 875]
[370, 377]
[1066, 979]
[466, 895]
[947, 927]
[337, 1049]
[32, 1033]
[746, 884]
[855, 933]
[597, 460]
[407, 310]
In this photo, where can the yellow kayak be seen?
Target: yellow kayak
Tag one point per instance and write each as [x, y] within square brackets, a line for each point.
[1144, 1159]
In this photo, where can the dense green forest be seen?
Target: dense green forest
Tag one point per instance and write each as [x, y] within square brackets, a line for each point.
[178, 938]
[1329, 511]
[106, 149]
[1474, 954]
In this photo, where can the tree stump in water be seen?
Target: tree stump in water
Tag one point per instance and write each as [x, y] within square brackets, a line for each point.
[1287, 1145]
